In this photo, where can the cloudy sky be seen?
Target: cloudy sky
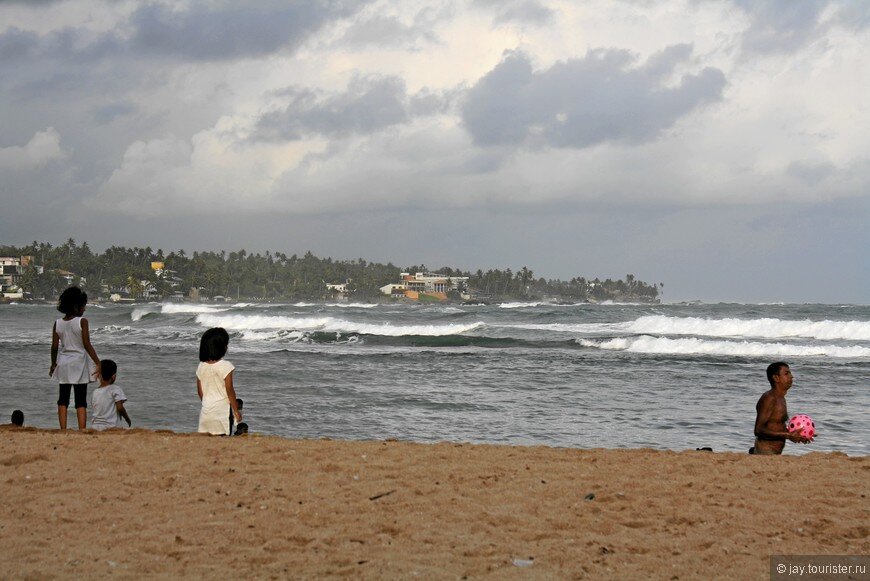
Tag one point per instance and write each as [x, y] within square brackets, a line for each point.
[719, 147]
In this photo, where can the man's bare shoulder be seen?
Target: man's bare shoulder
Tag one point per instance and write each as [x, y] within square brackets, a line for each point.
[767, 396]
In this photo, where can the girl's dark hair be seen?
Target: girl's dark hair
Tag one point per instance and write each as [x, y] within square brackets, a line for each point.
[71, 301]
[213, 345]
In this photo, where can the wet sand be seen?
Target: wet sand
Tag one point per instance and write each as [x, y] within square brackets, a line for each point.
[157, 504]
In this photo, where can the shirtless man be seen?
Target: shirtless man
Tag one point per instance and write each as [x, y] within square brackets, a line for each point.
[771, 414]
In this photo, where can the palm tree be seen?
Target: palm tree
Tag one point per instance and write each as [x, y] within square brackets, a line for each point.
[134, 286]
[525, 275]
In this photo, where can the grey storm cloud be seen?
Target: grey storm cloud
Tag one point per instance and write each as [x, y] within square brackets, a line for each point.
[370, 104]
[780, 26]
[579, 103]
[214, 32]
[16, 44]
[233, 31]
[786, 25]
[811, 173]
[855, 15]
[67, 44]
[521, 11]
[108, 113]
[387, 30]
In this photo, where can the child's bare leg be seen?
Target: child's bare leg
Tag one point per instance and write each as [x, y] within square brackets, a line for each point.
[61, 416]
[82, 416]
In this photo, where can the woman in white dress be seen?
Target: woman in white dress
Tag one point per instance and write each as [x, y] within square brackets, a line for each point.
[214, 384]
[70, 349]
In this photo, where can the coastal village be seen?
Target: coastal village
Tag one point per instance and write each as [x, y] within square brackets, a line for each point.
[417, 286]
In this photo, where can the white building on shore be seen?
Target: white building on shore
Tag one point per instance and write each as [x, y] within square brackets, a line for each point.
[437, 285]
[11, 272]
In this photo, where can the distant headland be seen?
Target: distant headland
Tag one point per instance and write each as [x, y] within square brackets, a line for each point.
[39, 271]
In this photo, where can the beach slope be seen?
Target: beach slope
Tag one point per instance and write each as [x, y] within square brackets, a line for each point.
[159, 504]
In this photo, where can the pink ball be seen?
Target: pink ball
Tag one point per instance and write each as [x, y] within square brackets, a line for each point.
[802, 424]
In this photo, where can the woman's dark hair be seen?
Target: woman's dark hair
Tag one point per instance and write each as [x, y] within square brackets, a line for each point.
[213, 345]
[71, 301]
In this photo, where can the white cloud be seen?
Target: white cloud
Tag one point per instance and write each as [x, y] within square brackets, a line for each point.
[217, 170]
[43, 148]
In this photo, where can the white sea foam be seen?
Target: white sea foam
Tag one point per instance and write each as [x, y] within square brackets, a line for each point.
[753, 328]
[762, 328]
[575, 328]
[261, 322]
[248, 323]
[693, 346]
[338, 305]
[448, 310]
[520, 305]
[386, 329]
[116, 329]
[292, 337]
[270, 336]
[173, 308]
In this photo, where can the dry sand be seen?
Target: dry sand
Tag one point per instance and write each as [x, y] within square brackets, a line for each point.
[157, 504]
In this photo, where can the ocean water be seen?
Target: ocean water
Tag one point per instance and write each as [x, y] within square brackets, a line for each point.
[584, 376]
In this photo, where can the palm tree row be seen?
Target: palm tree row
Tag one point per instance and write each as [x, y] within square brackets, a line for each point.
[274, 276]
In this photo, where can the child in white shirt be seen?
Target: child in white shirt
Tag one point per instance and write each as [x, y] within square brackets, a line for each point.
[214, 384]
[107, 401]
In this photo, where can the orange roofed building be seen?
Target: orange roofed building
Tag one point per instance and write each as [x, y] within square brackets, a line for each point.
[425, 284]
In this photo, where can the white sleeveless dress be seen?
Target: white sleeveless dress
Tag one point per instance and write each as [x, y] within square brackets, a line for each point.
[74, 365]
[214, 417]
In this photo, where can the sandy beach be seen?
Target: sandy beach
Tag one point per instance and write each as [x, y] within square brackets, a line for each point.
[160, 504]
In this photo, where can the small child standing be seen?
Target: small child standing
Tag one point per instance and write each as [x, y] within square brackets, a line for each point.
[107, 402]
[214, 384]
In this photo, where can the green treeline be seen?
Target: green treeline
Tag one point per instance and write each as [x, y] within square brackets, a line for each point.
[276, 276]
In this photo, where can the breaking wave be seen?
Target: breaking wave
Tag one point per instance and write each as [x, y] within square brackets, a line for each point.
[530, 305]
[693, 346]
[248, 323]
[581, 328]
[519, 305]
[174, 308]
[140, 313]
[761, 328]
[699, 327]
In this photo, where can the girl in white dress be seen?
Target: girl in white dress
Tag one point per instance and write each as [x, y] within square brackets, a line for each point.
[70, 349]
[214, 384]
